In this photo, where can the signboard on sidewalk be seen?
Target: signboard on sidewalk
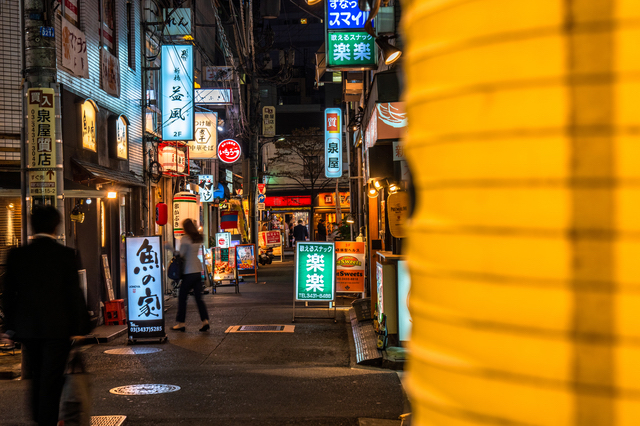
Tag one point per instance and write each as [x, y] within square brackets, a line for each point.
[144, 287]
[246, 260]
[270, 238]
[224, 264]
[350, 266]
[315, 271]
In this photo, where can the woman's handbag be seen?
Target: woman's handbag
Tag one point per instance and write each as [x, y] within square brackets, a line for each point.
[75, 403]
[176, 268]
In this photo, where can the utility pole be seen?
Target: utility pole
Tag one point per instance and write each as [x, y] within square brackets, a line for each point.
[42, 177]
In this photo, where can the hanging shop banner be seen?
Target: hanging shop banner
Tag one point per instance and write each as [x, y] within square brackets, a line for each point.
[204, 145]
[268, 121]
[178, 118]
[109, 73]
[144, 287]
[315, 278]
[349, 50]
[229, 151]
[229, 220]
[205, 182]
[398, 213]
[74, 50]
[328, 199]
[223, 239]
[213, 96]
[177, 21]
[88, 125]
[350, 266]
[345, 15]
[333, 142]
[225, 263]
[270, 238]
[71, 10]
[185, 206]
[122, 137]
[246, 257]
[41, 123]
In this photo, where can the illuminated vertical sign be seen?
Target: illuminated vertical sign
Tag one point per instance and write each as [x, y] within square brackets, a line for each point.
[144, 287]
[122, 137]
[333, 142]
[88, 125]
[205, 143]
[178, 118]
[41, 123]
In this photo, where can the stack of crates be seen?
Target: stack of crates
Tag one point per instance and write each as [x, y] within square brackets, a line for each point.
[114, 312]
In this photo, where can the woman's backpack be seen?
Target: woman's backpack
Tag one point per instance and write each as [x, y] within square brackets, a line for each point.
[176, 268]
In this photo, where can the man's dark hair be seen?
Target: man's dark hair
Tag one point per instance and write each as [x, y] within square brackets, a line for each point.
[300, 222]
[44, 219]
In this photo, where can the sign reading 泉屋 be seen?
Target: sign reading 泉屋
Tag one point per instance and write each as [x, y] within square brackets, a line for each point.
[144, 287]
[41, 159]
[315, 271]
[177, 93]
[268, 121]
[333, 142]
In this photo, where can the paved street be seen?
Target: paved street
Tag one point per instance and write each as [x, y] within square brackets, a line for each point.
[308, 377]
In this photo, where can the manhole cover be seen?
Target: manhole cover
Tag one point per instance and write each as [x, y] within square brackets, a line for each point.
[148, 389]
[132, 351]
[107, 420]
[261, 329]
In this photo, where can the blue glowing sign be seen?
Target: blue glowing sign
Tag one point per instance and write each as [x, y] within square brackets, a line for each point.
[345, 14]
[177, 93]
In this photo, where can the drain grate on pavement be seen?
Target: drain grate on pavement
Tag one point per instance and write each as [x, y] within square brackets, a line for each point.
[260, 329]
[132, 351]
[107, 420]
[146, 389]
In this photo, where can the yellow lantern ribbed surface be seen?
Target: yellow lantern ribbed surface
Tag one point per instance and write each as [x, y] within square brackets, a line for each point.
[524, 249]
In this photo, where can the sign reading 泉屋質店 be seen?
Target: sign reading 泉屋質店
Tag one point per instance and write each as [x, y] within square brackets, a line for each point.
[178, 117]
[144, 287]
[315, 271]
[333, 142]
[41, 123]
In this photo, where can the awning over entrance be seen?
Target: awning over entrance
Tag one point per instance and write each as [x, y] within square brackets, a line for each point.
[99, 174]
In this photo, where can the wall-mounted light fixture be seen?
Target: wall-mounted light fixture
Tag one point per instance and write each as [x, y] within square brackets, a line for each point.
[390, 53]
[112, 195]
[378, 184]
[393, 188]
[372, 192]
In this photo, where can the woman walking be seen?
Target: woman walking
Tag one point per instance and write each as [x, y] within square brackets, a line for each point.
[191, 278]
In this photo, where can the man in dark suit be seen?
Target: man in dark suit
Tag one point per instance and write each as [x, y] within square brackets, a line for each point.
[322, 231]
[45, 308]
[300, 232]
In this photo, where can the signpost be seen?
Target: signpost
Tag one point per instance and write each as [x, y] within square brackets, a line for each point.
[315, 275]
[246, 260]
[145, 313]
[350, 267]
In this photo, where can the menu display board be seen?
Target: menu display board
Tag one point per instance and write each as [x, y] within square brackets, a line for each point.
[246, 260]
[225, 264]
[315, 271]
[350, 266]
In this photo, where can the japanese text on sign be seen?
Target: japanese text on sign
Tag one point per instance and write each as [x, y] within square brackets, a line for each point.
[177, 93]
[315, 271]
[42, 144]
[345, 14]
[144, 284]
[351, 49]
[333, 143]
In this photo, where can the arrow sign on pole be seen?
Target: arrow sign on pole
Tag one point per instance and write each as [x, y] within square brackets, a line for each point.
[50, 173]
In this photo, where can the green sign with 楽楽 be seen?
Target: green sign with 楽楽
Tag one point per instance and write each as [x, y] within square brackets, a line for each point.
[350, 49]
[315, 271]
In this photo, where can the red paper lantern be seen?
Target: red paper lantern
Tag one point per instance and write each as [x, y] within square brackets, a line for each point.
[161, 214]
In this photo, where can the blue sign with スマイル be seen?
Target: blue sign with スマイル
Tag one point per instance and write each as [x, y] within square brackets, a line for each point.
[345, 14]
[178, 118]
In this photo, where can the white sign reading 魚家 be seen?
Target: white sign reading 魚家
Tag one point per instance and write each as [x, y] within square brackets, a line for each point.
[144, 287]
[178, 117]
[74, 50]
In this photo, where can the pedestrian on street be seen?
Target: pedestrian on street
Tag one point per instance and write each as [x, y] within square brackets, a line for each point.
[45, 310]
[335, 233]
[191, 277]
[322, 231]
[300, 232]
